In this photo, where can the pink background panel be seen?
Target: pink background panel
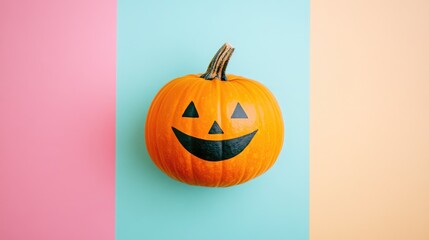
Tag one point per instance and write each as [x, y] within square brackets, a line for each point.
[57, 119]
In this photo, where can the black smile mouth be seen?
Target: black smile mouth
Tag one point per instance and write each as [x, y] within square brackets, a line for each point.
[213, 150]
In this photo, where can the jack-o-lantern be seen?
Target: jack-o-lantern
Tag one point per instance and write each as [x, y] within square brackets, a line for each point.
[214, 129]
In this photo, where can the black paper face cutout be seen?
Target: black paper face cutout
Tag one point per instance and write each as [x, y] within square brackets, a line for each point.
[239, 112]
[215, 129]
[190, 111]
[213, 150]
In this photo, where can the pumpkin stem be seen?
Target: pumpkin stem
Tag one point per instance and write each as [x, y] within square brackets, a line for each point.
[217, 66]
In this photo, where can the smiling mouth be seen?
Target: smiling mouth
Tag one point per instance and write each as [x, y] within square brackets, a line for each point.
[213, 150]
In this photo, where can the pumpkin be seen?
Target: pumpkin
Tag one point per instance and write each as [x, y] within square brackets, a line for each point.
[214, 129]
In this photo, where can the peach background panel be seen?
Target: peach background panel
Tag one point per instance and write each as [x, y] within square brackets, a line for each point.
[369, 174]
[57, 119]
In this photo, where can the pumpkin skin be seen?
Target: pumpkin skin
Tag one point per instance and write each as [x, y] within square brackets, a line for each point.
[214, 133]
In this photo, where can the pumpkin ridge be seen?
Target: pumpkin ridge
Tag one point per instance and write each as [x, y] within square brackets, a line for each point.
[187, 87]
[256, 91]
[241, 84]
[218, 87]
[276, 114]
[194, 87]
[261, 93]
[181, 84]
[235, 86]
[149, 131]
[171, 171]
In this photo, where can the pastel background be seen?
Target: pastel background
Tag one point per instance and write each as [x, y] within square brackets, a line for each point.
[57, 119]
[159, 41]
[368, 118]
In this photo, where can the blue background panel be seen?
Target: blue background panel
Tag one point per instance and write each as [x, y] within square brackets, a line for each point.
[161, 40]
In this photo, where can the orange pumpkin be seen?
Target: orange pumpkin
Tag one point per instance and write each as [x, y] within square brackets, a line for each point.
[214, 129]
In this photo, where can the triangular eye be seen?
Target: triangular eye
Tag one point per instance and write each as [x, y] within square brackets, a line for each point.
[239, 112]
[191, 111]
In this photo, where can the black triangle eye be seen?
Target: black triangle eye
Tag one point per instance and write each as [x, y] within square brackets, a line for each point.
[239, 112]
[191, 111]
